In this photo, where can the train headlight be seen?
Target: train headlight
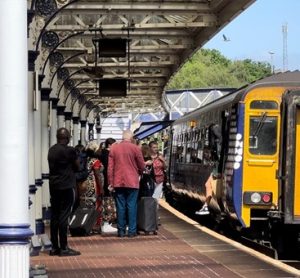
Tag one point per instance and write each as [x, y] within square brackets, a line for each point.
[257, 198]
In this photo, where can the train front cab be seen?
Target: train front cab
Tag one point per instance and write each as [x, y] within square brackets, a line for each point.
[261, 153]
[271, 164]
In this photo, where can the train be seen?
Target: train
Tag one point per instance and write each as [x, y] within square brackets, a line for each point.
[251, 138]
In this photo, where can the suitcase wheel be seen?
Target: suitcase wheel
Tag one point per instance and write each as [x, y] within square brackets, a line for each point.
[146, 233]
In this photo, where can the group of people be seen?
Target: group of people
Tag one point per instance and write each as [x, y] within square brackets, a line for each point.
[125, 166]
[92, 191]
[115, 168]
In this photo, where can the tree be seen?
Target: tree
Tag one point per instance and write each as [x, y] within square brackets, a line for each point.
[209, 68]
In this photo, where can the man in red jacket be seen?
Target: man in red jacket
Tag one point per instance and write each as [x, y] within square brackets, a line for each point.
[125, 164]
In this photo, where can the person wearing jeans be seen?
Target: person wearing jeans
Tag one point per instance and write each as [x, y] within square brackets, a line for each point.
[125, 164]
[126, 200]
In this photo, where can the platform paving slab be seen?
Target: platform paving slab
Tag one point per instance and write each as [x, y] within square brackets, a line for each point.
[179, 250]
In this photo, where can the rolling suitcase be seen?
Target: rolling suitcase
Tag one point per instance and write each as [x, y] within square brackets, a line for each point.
[147, 215]
[83, 221]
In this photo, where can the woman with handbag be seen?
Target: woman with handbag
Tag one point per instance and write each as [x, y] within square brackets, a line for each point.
[93, 195]
[147, 181]
[91, 192]
[159, 166]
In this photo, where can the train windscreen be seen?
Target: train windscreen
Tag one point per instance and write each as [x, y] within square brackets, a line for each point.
[263, 132]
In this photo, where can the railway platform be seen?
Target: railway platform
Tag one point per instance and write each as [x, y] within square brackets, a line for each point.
[182, 248]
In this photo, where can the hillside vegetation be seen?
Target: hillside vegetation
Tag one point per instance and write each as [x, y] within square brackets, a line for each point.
[209, 68]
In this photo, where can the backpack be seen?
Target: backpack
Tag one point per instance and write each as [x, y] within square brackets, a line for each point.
[83, 172]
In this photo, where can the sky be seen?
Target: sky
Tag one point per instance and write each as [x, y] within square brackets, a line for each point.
[257, 33]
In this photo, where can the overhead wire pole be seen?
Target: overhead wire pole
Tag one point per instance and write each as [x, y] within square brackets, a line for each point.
[272, 61]
[285, 47]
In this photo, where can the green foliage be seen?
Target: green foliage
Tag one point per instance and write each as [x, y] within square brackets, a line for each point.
[209, 68]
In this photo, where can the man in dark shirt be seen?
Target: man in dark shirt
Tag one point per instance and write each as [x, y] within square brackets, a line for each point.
[63, 163]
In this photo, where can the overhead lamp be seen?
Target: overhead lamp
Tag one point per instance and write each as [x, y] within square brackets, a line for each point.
[112, 47]
[113, 87]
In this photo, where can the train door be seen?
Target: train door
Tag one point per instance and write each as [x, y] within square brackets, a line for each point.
[290, 157]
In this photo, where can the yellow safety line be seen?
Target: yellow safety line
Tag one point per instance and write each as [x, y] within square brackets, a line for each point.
[238, 245]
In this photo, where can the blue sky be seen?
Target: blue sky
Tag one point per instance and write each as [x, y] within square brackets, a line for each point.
[258, 31]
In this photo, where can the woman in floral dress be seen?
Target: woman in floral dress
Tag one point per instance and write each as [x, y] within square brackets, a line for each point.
[92, 197]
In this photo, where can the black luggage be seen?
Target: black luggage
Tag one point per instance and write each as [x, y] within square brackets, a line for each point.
[147, 215]
[82, 221]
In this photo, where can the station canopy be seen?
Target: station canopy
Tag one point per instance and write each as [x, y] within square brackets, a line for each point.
[86, 38]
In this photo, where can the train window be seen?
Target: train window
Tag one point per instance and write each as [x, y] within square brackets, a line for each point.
[263, 135]
[207, 156]
[264, 104]
[175, 139]
[195, 146]
[200, 145]
[185, 137]
[193, 136]
[188, 154]
[195, 155]
[206, 137]
[198, 135]
[179, 153]
[189, 137]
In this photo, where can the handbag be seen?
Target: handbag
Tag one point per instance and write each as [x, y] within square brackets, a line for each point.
[147, 185]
